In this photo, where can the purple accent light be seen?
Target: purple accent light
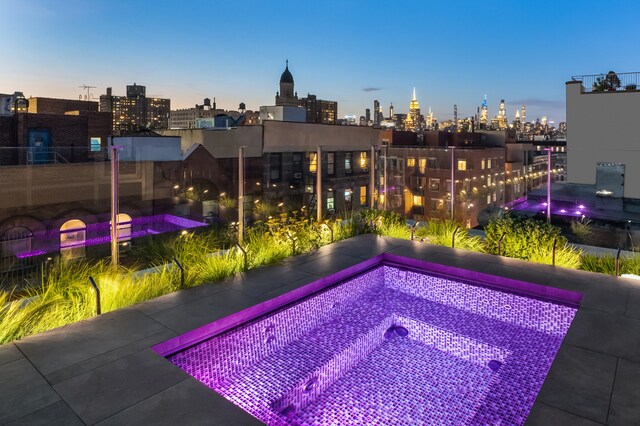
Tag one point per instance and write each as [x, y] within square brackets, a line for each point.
[473, 352]
[99, 233]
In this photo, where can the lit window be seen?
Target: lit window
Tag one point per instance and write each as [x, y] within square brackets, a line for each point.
[363, 160]
[347, 162]
[347, 196]
[488, 163]
[363, 195]
[489, 199]
[417, 201]
[313, 162]
[330, 202]
[411, 162]
[422, 165]
[434, 185]
[73, 234]
[482, 164]
[95, 144]
[331, 164]
[462, 164]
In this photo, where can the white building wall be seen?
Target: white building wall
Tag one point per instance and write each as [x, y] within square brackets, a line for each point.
[603, 127]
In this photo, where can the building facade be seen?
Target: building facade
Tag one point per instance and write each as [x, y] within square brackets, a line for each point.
[135, 111]
[319, 111]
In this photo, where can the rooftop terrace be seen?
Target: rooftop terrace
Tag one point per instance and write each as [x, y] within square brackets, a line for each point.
[103, 370]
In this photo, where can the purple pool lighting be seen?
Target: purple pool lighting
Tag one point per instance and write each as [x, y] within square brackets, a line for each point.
[391, 341]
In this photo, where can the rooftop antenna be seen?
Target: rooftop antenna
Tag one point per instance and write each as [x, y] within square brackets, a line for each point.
[88, 89]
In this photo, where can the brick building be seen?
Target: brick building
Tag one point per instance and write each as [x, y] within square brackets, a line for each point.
[135, 111]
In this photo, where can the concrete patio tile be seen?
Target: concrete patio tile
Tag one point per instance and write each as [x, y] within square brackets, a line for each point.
[182, 296]
[257, 282]
[289, 286]
[9, 353]
[54, 414]
[606, 333]
[327, 265]
[580, 382]
[109, 389]
[518, 271]
[71, 344]
[633, 305]
[365, 249]
[95, 362]
[188, 403]
[22, 391]
[545, 415]
[625, 401]
[186, 317]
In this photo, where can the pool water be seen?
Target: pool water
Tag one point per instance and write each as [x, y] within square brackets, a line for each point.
[389, 346]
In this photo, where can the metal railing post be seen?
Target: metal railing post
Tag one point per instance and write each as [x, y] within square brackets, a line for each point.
[453, 237]
[553, 252]
[618, 262]
[244, 253]
[500, 243]
[179, 265]
[97, 290]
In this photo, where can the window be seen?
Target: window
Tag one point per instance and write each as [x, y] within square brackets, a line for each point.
[418, 201]
[347, 196]
[363, 195]
[411, 162]
[422, 165]
[296, 160]
[347, 162]
[73, 234]
[95, 144]
[313, 162]
[483, 164]
[434, 185]
[330, 202]
[489, 199]
[432, 163]
[462, 164]
[331, 163]
[488, 163]
[275, 166]
[363, 160]
[494, 197]
[488, 180]
[16, 240]
[437, 204]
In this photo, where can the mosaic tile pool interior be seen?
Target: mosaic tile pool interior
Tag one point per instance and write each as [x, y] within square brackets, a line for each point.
[392, 347]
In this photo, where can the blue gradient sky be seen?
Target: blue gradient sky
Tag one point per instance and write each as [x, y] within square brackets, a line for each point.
[453, 52]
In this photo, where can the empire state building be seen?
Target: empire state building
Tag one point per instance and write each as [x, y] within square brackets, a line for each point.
[414, 119]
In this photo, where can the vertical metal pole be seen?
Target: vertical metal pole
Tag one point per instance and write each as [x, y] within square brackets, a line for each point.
[384, 168]
[97, 290]
[372, 176]
[548, 184]
[618, 262]
[319, 183]
[240, 194]
[114, 206]
[453, 187]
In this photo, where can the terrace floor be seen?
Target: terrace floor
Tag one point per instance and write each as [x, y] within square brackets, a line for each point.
[103, 370]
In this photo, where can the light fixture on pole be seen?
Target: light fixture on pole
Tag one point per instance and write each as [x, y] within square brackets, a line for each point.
[452, 189]
[384, 170]
[114, 205]
[319, 183]
[372, 176]
[548, 184]
[240, 194]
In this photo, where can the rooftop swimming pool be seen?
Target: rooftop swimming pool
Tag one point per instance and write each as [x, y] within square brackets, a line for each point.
[391, 341]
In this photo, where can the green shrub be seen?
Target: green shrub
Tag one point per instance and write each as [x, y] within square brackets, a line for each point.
[522, 237]
[440, 232]
[605, 264]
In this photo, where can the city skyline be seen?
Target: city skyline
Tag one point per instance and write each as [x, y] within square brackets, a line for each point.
[352, 53]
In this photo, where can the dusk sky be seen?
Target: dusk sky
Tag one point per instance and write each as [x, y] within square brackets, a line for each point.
[453, 52]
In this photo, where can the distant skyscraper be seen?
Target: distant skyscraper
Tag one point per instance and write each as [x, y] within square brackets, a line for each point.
[367, 116]
[376, 109]
[286, 96]
[414, 119]
[429, 119]
[391, 112]
[484, 114]
[523, 113]
[500, 120]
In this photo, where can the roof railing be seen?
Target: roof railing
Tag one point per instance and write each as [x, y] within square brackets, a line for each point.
[609, 82]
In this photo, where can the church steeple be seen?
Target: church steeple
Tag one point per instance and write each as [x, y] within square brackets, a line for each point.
[287, 96]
